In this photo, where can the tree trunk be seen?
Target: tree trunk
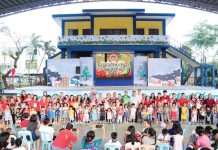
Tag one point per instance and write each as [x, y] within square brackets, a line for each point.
[5, 82]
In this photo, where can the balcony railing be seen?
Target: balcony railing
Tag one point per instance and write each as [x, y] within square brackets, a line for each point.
[113, 40]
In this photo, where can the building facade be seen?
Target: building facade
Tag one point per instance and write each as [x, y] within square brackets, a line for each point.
[118, 47]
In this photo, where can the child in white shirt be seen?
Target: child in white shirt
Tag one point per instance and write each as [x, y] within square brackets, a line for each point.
[164, 137]
[132, 113]
[113, 141]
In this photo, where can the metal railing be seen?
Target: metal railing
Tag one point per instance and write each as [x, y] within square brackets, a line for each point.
[184, 49]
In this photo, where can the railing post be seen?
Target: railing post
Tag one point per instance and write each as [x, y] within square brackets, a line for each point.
[195, 76]
[213, 76]
[202, 75]
[206, 77]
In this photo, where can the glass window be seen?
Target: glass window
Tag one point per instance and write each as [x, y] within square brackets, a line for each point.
[86, 31]
[140, 31]
[153, 31]
[113, 31]
[31, 65]
[72, 31]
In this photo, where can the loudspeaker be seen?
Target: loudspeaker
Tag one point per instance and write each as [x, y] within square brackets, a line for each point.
[77, 69]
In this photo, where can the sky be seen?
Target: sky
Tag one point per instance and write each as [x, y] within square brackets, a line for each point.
[40, 21]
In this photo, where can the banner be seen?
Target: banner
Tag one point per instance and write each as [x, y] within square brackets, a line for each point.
[164, 72]
[62, 72]
[140, 71]
[86, 71]
[114, 66]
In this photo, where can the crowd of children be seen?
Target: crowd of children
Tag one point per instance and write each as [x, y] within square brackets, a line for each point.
[114, 108]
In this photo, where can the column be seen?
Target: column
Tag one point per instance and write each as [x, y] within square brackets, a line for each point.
[68, 53]
[206, 77]
[63, 51]
[164, 54]
[195, 76]
[202, 75]
[213, 76]
[157, 54]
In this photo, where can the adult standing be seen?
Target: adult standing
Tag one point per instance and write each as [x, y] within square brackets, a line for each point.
[134, 99]
[165, 98]
[64, 139]
[210, 103]
[181, 102]
[32, 126]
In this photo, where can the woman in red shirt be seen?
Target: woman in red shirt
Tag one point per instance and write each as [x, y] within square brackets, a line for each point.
[64, 139]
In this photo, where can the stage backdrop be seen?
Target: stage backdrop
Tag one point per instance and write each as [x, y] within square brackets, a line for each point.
[86, 71]
[164, 72]
[62, 72]
[113, 69]
[140, 70]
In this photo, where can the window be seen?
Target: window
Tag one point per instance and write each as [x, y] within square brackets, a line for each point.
[153, 31]
[86, 31]
[31, 65]
[113, 31]
[140, 31]
[72, 31]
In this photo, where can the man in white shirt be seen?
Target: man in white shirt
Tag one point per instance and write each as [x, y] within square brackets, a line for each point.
[47, 129]
[134, 99]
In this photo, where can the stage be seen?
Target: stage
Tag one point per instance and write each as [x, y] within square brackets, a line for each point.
[38, 90]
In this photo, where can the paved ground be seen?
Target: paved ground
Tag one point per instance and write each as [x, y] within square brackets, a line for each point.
[105, 132]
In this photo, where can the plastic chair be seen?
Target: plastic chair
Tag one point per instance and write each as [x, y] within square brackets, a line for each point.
[26, 137]
[132, 147]
[112, 147]
[46, 139]
[147, 147]
[163, 146]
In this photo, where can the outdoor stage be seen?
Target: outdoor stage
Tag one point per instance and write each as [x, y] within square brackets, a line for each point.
[119, 89]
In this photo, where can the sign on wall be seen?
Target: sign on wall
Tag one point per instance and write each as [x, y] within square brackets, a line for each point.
[164, 72]
[140, 71]
[86, 71]
[113, 66]
[62, 72]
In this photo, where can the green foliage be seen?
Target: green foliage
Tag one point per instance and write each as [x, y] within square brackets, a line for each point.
[86, 74]
[204, 36]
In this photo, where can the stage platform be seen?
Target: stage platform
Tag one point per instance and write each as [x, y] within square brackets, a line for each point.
[119, 89]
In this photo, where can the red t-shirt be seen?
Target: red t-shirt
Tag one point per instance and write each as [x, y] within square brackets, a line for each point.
[3, 104]
[63, 139]
[43, 103]
[147, 102]
[120, 111]
[165, 99]
[181, 101]
[24, 123]
[210, 103]
[35, 104]
[157, 101]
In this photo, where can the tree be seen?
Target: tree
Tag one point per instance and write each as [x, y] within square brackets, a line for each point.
[48, 50]
[15, 55]
[141, 73]
[86, 74]
[204, 37]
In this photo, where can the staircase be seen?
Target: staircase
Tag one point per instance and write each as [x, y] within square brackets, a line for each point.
[184, 53]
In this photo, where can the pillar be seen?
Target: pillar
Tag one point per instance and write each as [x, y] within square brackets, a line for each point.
[202, 75]
[68, 53]
[63, 51]
[157, 54]
[213, 76]
[182, 75]
[164, 54]
[195, 76]
[206, 77]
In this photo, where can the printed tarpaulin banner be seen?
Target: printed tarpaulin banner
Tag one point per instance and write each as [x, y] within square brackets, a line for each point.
[62, 72]
[113, 66]
[86, 71]
[164, 72]
[140, 71]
